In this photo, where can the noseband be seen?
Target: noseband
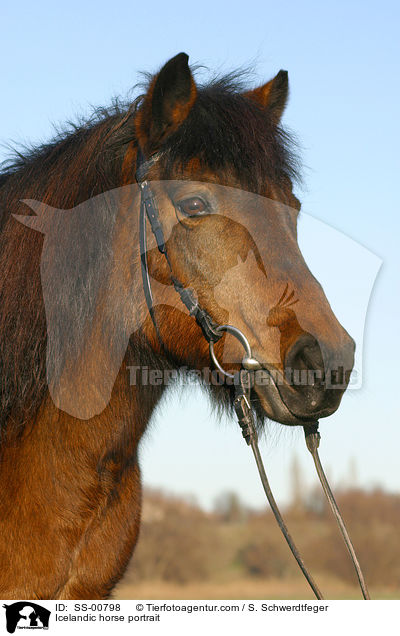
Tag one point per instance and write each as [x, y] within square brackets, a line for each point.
[243, 379]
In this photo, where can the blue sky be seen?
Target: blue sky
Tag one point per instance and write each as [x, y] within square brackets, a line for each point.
[343, 63]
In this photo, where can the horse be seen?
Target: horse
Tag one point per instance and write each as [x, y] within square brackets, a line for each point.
[69, 472]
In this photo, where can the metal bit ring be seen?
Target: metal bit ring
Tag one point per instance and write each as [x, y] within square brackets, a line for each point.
[248, 362]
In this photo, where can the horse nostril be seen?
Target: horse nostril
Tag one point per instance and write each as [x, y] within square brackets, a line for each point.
[305, 355]
[308, 384]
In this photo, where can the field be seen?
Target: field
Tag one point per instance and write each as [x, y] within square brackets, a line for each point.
[234, 553]
[270, 589]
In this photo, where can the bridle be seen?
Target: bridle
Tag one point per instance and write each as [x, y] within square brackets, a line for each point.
[243, 380]
[149, 209]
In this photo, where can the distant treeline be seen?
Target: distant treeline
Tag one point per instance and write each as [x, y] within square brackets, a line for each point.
[181, 543]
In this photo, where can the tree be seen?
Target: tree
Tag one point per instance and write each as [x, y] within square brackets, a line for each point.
[229, 507]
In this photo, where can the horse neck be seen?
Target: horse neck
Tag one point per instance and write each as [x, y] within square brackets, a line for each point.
[116, 431]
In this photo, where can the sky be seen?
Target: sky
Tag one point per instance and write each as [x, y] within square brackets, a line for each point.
[59, 59]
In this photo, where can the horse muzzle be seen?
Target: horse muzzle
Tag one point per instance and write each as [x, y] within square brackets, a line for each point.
[309, 385]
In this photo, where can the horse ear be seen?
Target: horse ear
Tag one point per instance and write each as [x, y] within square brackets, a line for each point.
[169, 99]
[272, 96]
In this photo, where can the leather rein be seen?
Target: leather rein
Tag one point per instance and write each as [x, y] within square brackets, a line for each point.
[243, 379]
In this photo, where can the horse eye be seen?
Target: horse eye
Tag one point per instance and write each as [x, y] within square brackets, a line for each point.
[193, 206]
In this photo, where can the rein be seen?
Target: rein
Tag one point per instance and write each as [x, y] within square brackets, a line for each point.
[243, 379]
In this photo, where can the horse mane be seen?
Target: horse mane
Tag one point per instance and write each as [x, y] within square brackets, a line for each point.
[224, 130]
[219, 109]
[228, 132]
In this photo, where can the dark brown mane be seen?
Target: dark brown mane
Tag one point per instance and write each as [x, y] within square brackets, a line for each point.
[227, 131]
[223, 129]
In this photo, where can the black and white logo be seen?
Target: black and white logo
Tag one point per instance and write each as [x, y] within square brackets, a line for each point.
[26, 615]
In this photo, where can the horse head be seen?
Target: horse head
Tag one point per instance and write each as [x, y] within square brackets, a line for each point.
[223, 185]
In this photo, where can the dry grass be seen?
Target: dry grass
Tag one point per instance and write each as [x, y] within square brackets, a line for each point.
[185, 553]
[270, 589]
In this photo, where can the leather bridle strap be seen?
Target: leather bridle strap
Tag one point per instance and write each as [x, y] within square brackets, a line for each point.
[243, 383]
[312, 441]
[242, 404]
[149, 210]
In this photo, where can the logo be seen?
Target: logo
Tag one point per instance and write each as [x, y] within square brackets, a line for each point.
[94, 301]
[26, 615]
